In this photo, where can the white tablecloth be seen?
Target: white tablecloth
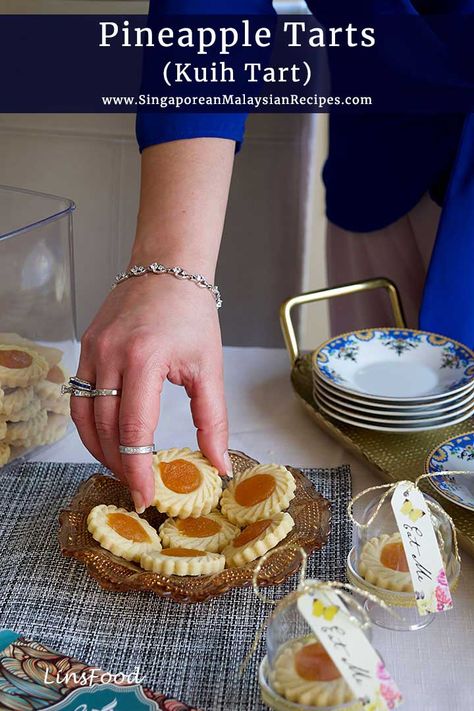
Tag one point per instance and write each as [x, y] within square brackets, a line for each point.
[434, 667]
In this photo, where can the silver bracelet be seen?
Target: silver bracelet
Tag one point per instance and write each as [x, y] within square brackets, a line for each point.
[177, 272]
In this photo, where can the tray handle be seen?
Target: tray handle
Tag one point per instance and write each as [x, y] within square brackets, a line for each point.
[288, 329]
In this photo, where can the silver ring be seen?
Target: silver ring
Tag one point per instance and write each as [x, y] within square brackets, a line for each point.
[79, 393]
[80, 384]
[69, 389]
[103, 392]
[147, 449]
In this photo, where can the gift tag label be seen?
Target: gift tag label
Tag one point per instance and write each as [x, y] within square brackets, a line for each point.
[423, 555]
[350, 650]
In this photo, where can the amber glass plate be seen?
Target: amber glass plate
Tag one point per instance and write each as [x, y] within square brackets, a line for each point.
[310, 511]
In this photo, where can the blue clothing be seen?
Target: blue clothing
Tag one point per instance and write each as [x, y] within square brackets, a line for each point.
[153, 128]
[448, 303]
[379, 166]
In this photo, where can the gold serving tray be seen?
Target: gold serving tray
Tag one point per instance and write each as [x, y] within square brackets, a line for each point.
[392, 456]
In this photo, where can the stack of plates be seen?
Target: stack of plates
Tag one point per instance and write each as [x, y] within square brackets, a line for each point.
[394, 380]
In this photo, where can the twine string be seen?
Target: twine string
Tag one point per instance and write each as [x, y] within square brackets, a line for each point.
[437, 507]
[389, 489]
[343, 591]
[449, 472]
[302, 577]
[268, 600]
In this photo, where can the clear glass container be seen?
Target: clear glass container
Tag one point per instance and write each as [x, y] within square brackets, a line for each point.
[295, 680]
[377, 563]
[38, 344]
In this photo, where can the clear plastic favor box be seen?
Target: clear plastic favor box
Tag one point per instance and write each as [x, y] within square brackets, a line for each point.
[38, 344]
[377, 563]
[296, 674]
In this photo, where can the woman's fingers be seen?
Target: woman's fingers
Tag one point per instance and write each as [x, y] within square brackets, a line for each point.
[209, 412]
[146, 331]
[138, 419]
[106, 415]
[82, 408]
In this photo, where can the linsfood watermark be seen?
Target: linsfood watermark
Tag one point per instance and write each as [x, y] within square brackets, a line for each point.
[91, 676]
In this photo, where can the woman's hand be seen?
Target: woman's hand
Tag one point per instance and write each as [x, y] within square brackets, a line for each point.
[154, 327]
[151, 328]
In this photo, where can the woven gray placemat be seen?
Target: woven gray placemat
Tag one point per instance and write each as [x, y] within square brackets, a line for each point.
[190, 652]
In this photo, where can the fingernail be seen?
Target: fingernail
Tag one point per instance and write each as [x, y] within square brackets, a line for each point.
[229, 470]
[138, 501]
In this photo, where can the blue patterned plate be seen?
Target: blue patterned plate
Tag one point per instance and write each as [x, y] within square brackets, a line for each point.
[455, 454]
[395, 365]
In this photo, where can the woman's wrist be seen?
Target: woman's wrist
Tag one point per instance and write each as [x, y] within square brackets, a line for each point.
[189, 257]
[160, 269]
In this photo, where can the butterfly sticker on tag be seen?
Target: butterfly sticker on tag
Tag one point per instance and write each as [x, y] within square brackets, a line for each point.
[409, 510]
[350, 650]
[425, 562]
[328, 612]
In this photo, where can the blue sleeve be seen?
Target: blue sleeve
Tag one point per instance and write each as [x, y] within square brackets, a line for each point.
[448, 299]
[157, 127]
[153, 128]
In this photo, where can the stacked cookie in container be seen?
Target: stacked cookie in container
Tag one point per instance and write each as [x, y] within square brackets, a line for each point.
[32, 410]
